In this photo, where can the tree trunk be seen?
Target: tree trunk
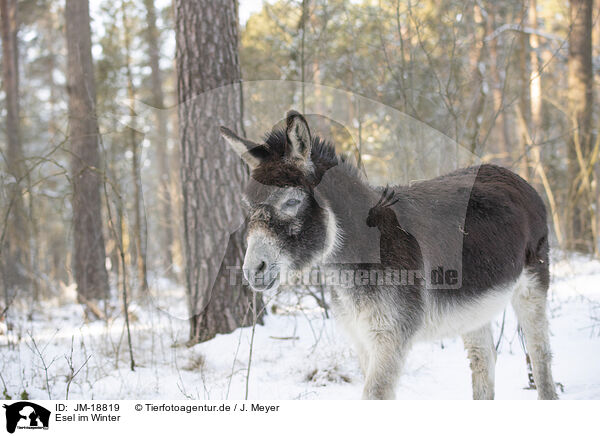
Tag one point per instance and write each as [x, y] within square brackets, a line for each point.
[89, 251]
[535, 80]
[160, 139]
[212, 175]
[524, 105]
[14, 244]
[498, 89]
[139, 233]
[580, 103]
[478, 55]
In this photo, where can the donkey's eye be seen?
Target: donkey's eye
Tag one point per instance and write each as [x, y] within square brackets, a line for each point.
[291, 202]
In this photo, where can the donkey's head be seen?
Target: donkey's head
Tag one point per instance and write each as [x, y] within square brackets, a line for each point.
[289, 228]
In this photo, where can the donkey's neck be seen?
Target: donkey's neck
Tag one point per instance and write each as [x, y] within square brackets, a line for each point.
[349, 199]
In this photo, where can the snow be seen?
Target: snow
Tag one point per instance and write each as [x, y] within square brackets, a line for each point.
[297, 354]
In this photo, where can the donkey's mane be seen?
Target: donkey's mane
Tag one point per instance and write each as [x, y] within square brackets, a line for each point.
[323, 152]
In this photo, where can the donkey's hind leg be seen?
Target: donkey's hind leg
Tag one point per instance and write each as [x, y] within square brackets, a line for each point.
[482, 354]
[529, 302]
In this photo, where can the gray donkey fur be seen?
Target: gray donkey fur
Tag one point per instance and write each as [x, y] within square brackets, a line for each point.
[481, 229]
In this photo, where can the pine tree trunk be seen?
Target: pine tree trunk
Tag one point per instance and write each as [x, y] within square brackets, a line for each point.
[538, 170]
[89, 251]
[535, 81]
[139, 228]
[212, 175]
[14, 245]
[160, 139]
[580, 103]
[524, 104]
[478, 55]
[498, 88]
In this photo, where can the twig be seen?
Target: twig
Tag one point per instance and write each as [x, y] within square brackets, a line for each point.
[236, 353]
[255, 316]
[74, 373]
[119, 239]
[501, 330]
[251, 342]
[44, 365]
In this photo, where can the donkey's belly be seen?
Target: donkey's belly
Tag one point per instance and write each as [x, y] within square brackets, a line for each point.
[450, 317]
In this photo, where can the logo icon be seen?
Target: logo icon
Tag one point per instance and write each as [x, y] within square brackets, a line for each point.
[26, 415]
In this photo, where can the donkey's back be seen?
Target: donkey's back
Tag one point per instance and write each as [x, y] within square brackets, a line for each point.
[490, 216]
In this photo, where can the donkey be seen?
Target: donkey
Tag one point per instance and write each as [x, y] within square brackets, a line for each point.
[308, 206]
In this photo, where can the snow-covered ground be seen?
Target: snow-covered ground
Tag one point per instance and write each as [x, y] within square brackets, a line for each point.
[297, 354]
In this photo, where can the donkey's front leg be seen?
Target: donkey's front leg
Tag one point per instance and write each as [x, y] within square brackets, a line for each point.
[386, 359]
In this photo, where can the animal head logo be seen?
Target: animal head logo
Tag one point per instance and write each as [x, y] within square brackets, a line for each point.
[24, 414]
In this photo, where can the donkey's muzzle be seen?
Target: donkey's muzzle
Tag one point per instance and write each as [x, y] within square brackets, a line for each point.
[261, 268]
[261, 276]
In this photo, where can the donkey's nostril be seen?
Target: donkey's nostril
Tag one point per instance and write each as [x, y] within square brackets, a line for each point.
[261, 267]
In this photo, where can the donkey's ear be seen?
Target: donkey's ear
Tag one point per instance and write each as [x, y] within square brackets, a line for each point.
[251, 152]
[298, 140]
